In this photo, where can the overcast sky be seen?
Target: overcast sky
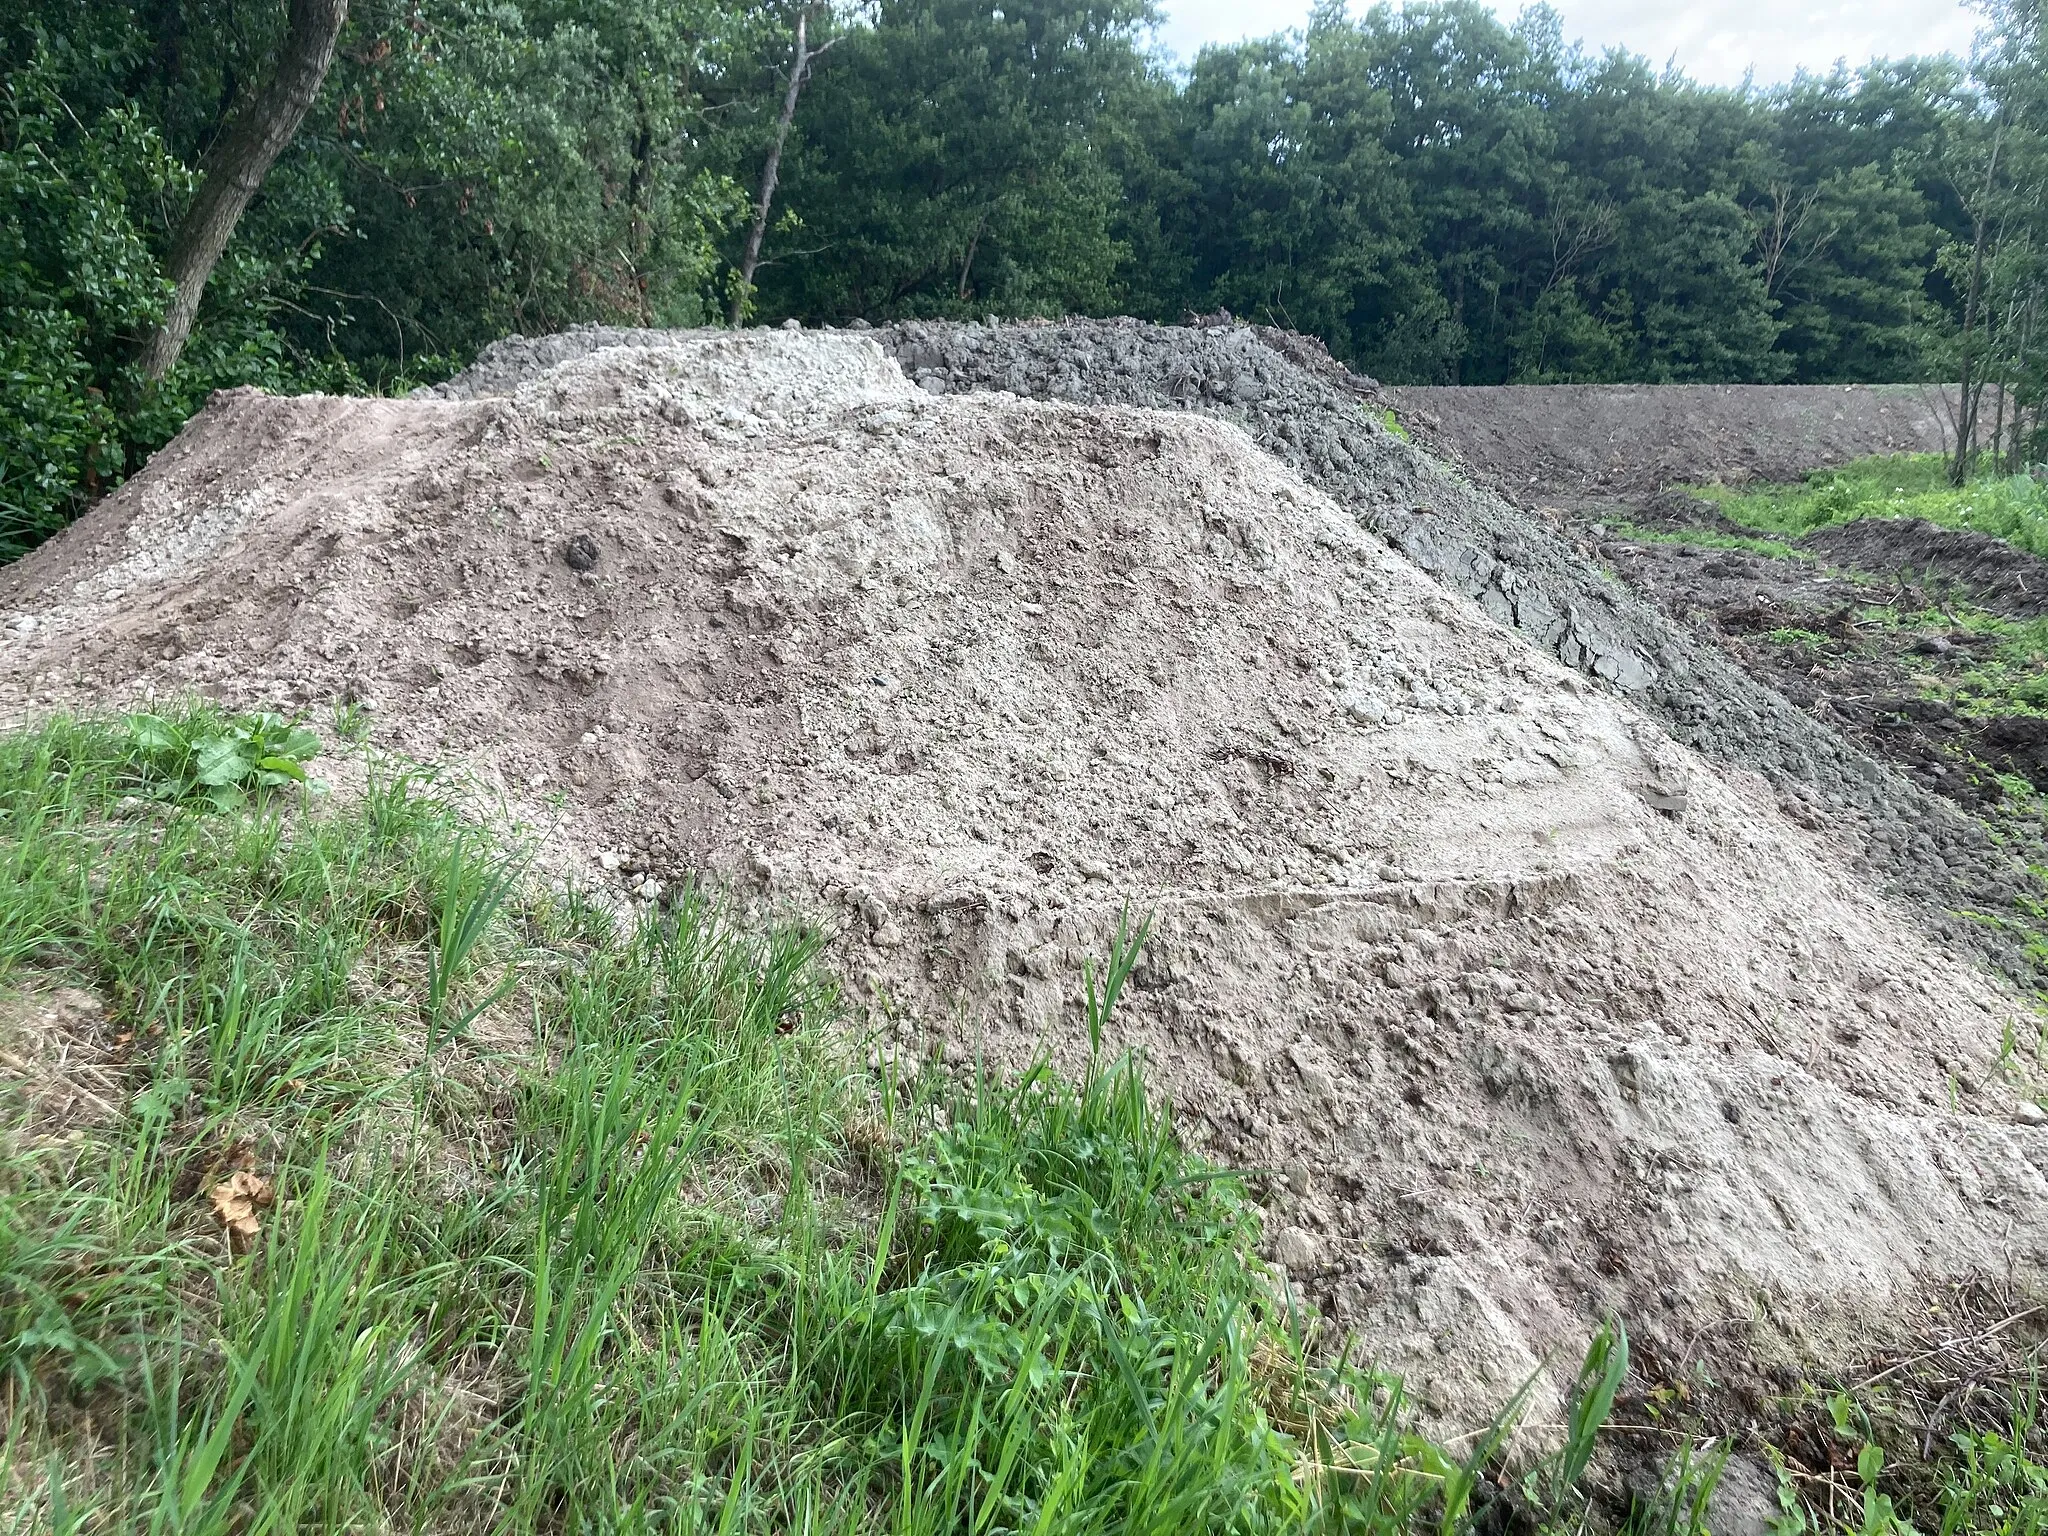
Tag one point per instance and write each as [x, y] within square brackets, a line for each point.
[1714, 41]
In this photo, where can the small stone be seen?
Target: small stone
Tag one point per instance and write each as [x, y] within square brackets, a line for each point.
[27, 624]
[888, 936]
[2031, 1113]
[1296, 1251]
[580, 553]
[607, 861]
[1672, 802]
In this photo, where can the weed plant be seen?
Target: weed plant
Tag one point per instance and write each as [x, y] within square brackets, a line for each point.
[2013, 508]
[550, 1221]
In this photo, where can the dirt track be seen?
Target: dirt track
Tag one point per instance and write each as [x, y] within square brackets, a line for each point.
[1593, 439]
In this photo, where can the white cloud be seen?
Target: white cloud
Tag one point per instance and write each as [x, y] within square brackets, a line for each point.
[1714, 41]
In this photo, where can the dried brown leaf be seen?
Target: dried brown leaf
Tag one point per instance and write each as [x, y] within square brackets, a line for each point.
[238, 1198]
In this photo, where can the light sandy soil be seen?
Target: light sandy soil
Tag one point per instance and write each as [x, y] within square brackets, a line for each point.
[1525, 1012]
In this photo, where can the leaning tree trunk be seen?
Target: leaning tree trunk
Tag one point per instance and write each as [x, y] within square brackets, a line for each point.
[771, 172]
[234, 169]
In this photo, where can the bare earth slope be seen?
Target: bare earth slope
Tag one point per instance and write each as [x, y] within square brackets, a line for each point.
[1608, 439]
[1531, 1011]
[1326, 425]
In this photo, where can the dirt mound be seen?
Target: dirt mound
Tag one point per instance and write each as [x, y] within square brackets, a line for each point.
[1910, 549]
[1329, 427]
[1607, 439]
[1528, 1011]
[1522, 568]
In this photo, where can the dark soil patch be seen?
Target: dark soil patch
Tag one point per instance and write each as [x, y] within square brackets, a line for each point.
[1987, 570]
[1592, 439]
[1798, 626]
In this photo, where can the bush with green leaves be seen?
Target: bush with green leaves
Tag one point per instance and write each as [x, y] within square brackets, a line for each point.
[78, 281]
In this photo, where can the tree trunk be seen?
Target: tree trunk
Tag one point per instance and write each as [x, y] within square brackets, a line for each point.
[2014, 460]
[234, 169]
[1998, 411]
[1966, 424]
[771, 171]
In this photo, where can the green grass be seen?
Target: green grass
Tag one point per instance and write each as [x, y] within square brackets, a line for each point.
[1996, 1480]
[2012, 508]
[555, 1225]
[2007, 675]
[2012, 678]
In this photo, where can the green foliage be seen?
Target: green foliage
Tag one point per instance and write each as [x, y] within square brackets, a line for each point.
[77, 277]
[1998, 1486]
[220, 760]
[1681, 1506]
[1553, 1484]
[2009, 507]
[955, 158]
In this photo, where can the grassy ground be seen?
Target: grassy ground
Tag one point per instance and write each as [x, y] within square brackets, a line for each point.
[2012, 508]
[2007, 670]
[345, 1185]
[348, 1184]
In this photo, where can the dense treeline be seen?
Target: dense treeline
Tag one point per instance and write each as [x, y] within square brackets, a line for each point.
[1441, 196]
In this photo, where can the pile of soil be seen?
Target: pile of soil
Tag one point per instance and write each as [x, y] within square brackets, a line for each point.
[1613, 439]
[1525, 1011]
[1522, 568]
[1989, 572]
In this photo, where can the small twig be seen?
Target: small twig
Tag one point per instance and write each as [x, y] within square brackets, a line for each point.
[1979, 1338]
